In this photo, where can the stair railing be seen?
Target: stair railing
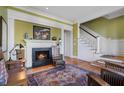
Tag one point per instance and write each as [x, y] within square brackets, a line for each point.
[93, 41]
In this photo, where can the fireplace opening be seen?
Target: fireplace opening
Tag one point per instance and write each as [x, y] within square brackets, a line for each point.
[41, 56]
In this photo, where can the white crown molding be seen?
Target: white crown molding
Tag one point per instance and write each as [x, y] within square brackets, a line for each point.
[39, 12]
[13, 14]
[115, 14]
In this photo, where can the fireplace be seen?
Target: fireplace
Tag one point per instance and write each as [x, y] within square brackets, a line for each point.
[41, 56]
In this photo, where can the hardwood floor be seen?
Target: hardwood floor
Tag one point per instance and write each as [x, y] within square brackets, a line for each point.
[82, 64]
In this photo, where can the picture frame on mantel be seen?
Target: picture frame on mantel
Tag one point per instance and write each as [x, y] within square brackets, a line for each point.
[41, 33]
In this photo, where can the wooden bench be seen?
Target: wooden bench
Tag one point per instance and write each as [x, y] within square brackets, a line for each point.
[107, 77]
[114, 65]
[94, 80]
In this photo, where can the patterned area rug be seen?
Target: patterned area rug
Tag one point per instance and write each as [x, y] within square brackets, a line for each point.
[70, 76]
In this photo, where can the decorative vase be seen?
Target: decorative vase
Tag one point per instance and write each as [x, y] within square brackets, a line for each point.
[54, 38]
[26, 35]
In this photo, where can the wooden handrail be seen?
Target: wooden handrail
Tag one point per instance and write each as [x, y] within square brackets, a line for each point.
[88, 32]
[3, 19]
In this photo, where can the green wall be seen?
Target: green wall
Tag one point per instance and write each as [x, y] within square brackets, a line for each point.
[3, 13]
[56, 32]
[21, 27]
[75, 39]
[113, 28]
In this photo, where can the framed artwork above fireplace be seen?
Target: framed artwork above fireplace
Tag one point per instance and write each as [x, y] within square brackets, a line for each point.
[41, 33]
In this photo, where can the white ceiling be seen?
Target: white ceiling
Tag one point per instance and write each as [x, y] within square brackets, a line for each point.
[71, 14]
[78, 13]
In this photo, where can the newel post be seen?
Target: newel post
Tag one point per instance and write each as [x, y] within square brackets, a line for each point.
[98, 45]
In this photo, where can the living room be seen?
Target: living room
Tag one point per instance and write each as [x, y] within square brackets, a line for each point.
[40, 48]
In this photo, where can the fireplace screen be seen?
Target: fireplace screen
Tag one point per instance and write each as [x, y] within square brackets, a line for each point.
[42, 55]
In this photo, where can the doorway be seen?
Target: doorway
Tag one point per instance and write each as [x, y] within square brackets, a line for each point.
[67, 43]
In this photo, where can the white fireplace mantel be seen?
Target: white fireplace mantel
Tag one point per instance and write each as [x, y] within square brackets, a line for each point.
[35, 44]
[39, 41]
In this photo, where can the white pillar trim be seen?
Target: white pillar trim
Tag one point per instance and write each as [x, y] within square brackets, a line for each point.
[33, 19]
[78, 29]
[10, 35]
[98, 45]
[71, 44]
[62, 41]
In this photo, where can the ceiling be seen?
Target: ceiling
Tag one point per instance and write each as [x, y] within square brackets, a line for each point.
[77, 13]
[115, 14]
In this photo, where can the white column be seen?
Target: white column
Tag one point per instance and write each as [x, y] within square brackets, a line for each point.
[62, 41]
[11, 36]
[71, 43]
[78, 40]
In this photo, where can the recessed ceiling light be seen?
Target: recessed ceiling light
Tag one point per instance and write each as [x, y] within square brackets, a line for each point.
[47, 8]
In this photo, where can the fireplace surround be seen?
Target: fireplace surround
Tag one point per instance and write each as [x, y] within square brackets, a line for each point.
[30, 44]
[41, 56]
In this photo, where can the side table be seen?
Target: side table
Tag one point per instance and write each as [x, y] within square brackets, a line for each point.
[15, 65]
[16, 73]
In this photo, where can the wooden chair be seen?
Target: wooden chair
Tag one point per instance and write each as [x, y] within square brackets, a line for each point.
[107, 77]
[58, 61]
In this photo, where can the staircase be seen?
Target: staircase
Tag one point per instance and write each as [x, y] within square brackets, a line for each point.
[88, 39]
[91, 49]
[89, 45]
